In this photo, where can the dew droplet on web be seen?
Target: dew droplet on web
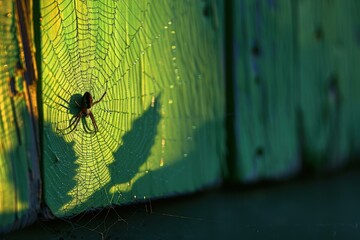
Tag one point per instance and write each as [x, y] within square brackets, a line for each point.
[161, 162]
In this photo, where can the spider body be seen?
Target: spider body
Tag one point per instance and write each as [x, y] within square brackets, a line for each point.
[87, 103]
[85, 111]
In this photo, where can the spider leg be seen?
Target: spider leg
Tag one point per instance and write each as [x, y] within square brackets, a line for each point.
[99, 99]
[63, 99]
[62, 105]
[75, 125]
[93, 122]
[74, 120]
[101, 96]
[87, 129]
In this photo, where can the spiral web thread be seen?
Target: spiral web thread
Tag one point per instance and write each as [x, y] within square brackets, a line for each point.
[127, 49]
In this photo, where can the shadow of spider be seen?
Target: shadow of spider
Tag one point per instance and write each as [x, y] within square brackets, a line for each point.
[80, 107]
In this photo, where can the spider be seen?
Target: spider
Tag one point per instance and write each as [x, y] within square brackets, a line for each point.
[86, 104]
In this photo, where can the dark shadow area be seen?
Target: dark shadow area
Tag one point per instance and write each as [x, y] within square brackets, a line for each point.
[19, 175]
[73, 105]
[60, 166]
[231, 94]
[127, 218]
[183, 167]
[132, 154]
[317, 208]
[137, 142]
[18, 217]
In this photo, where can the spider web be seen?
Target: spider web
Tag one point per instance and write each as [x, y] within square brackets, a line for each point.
[152, 110]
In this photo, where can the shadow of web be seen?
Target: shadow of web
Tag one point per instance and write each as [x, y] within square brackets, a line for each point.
[58, 166]
[135, 150]
[130, 156]
[13, 219]
[134, 221]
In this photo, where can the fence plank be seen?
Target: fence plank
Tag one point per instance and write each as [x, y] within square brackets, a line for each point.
[265, 90]
[19, 172]
[161, 119]
[328, 52]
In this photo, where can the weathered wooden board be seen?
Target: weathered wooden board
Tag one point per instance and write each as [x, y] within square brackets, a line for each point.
[329, 52]
[265, 90]
[160, 121]
[19, 173]
[296, 93]
[158, 66]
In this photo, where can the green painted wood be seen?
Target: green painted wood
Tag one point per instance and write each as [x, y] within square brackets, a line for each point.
[158, 67]
[19, 190]
[265, 90]
[160, 122]
[328, 54]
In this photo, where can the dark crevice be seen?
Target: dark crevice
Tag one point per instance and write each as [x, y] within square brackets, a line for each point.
[231, 154]
[256, 50]
[318, 33]
[44, 210]
[207, 10]
[259, 151]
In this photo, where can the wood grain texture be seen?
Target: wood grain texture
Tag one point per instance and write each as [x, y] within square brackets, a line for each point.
[265, 90]
[329, 92]
[19, 169]
[296, 89]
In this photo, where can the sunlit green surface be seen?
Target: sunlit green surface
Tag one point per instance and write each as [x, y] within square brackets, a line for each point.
[160, 121]
[15, 196]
